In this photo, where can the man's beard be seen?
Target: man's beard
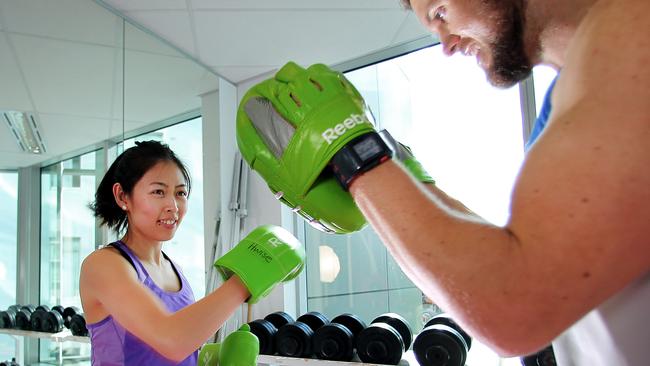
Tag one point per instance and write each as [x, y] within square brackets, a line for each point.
[510, 64]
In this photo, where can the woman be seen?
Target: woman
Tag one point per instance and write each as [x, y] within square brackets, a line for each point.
[139, 307]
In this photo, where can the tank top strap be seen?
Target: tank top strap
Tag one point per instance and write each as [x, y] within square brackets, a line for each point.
[126, 252]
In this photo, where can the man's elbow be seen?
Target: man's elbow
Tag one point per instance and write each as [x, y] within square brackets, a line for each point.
[514, 342]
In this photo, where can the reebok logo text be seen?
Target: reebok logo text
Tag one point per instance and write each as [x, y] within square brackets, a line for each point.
[338, 130]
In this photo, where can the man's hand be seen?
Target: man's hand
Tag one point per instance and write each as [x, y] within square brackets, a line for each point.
[288, 129]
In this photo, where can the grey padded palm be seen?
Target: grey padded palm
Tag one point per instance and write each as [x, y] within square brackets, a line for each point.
[274, 130]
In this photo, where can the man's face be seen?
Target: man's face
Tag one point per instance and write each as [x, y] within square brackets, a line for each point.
[490, 30]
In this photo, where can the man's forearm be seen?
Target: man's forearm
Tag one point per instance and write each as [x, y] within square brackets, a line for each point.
[461, 262]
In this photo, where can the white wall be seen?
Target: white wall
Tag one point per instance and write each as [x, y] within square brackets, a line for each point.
[219, 110]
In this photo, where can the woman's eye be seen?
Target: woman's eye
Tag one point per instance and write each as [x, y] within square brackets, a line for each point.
[182, 193]
[158, 192]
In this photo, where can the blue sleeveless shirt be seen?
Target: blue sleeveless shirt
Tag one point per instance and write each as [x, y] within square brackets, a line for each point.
[542, 118]
[112, 345]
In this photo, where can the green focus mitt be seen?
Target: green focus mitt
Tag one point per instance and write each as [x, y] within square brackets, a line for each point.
[288, 129]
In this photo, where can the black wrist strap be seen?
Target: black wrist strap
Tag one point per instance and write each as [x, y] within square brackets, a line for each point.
[359, 156]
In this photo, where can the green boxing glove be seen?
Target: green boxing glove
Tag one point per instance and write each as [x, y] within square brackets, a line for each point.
[290, 127]
[209, 355]
[404, 155]
[265, 257]
[240, 348]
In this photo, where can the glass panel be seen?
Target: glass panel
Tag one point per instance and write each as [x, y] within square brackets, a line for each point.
[467, 134]
[186, 248]
[68, 235]
[8, 248]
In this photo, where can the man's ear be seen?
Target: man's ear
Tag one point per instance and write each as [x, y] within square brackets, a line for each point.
[120, 196]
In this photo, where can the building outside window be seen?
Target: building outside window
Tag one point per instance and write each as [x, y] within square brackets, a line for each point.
[8, 248]
[68, 234]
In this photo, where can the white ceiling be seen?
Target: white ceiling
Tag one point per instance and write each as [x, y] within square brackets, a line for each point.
[62, 60]
[245, 38]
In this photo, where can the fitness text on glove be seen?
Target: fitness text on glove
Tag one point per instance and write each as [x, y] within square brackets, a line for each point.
[263, 253]
[337, 131]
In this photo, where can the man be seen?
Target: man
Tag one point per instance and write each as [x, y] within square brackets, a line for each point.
[572, 264]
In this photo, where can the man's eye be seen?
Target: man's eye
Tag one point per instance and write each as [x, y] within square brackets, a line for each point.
[438, 13]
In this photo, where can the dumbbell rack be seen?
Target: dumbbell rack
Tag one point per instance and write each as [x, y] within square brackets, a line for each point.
[64, 336]
[407, 360]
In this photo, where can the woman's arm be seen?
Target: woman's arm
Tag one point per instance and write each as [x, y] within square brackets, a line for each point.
[108, 282]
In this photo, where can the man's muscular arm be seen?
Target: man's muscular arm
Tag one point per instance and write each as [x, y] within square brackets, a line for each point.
[578, 231]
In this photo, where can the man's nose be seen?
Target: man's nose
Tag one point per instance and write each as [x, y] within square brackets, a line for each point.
[449, 43]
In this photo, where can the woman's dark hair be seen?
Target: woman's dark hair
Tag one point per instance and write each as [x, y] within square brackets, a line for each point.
[127, 170]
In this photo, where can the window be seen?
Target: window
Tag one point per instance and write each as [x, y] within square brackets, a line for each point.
[8, 248]
[467, 134]
[68, 235]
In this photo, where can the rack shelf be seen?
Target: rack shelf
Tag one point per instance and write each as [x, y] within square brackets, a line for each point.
[262, 360]
[407, 360]
[64, 336]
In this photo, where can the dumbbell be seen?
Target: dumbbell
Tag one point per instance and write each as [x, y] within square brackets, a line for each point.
[545, 357]
[78, 325]
[294, 339]
[37, 317]
[335, 341]
[23, 317]
[8, 318]
[68, 313]
[52, 321]
[384, 340]
[442, 342]
[266, 329]
[9, 363]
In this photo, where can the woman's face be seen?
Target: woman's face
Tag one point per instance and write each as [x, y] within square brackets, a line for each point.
[158, 203]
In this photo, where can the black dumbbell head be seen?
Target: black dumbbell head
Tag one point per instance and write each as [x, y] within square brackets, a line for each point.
[400, 324]
[52, 322]
[30, 308]
[8, 318]
[380, 343]
[333, 342]
[279, 318]
[68, 313]
[43, 307]
[15, 308]
[313, 319]
[265, 332]
[23, 319]
[350, 321]
[446, 320]
[36, 320]
[294, 340]
[78, 325]
[440, 345]
[58, 308]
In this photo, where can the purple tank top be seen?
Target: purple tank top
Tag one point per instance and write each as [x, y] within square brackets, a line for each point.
[112, 345]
